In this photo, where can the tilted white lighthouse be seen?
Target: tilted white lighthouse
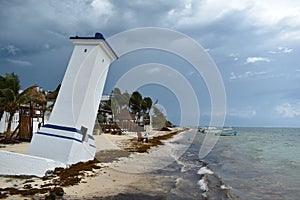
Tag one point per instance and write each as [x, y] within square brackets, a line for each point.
[67, 137]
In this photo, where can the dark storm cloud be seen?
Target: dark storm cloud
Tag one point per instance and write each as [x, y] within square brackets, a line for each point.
[32, 29]
[28, 28]
[34, 41]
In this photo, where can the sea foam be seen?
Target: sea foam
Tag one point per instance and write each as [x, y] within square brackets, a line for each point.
[203, 185]
[202, 182]
[224, 187]
[204, 170]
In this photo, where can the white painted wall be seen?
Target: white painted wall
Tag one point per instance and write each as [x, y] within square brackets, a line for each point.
[4, 122]
[15, 122]
[76, 105]
[20, 164]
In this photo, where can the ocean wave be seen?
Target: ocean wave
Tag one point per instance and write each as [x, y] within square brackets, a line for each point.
[203, 186]
[184, 167]
[224, 187]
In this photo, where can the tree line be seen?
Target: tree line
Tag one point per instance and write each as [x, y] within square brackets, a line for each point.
[137, 107]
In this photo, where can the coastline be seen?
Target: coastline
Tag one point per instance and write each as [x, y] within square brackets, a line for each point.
[109, 179]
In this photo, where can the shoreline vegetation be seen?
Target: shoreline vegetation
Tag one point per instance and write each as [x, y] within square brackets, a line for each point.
[70, 182]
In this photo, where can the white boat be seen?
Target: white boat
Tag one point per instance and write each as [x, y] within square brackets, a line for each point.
[228, 133]
[218, 131]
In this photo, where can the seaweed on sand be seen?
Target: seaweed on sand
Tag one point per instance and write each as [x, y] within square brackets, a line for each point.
[155, 141]
[73, 174]
[9, 141]
[59, 177]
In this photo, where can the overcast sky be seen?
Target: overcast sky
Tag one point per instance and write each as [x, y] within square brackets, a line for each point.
[255, 45]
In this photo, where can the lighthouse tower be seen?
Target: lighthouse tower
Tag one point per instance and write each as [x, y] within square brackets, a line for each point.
[67, 137]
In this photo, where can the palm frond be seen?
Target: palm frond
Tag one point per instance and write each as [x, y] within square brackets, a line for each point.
[7, 95]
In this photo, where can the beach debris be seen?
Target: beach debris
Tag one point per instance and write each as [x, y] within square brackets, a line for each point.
[140, 147]
[55, 192]
[165, 129]
[3, 195]
[24, 192]
[9, 141]
[54, 181]
[73, 174]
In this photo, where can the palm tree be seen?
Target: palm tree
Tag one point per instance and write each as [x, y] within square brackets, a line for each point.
[119, 100]
[125, 100]
[9, 81]
[10, 102]
[115, 100]
[135, 104]
[11, 99]
[146, 106]
[158, 118]
[9, 89]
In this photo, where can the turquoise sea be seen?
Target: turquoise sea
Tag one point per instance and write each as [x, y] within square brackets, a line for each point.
[259, 163]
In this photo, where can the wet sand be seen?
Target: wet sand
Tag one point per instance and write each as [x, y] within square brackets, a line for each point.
[107, 156]
[111, 181]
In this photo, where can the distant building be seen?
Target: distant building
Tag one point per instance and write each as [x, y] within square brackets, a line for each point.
[25, 122]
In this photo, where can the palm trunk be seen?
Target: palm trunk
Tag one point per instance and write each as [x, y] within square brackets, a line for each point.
[8, 130]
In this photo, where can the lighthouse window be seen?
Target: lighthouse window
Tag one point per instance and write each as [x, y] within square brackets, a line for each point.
[85, 50]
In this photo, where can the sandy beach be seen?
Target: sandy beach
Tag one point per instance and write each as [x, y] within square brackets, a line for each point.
[122, 174]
